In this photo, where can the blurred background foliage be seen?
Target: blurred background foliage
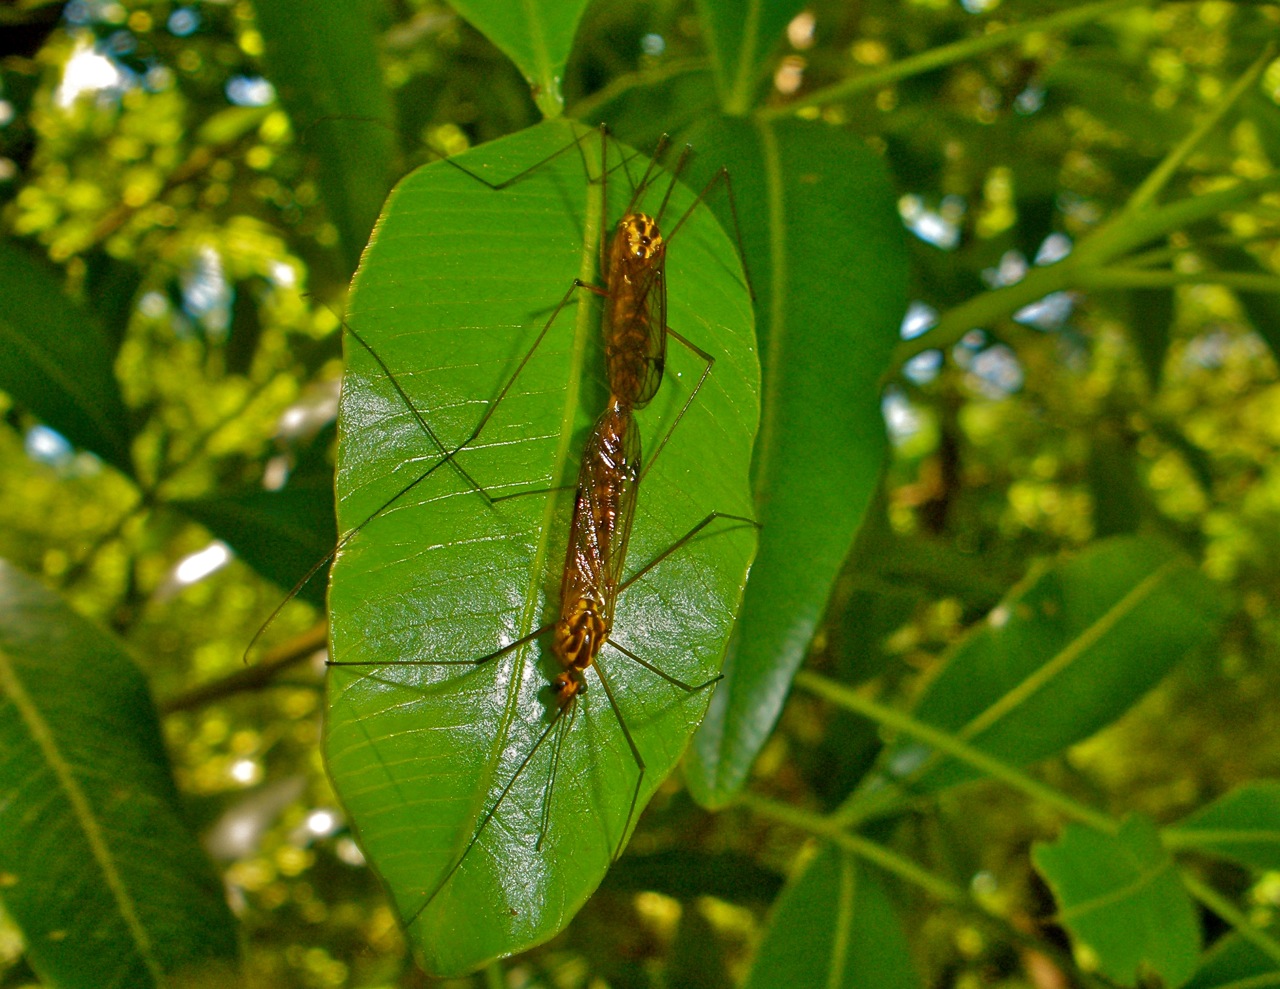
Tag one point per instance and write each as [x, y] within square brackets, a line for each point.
[149, 174]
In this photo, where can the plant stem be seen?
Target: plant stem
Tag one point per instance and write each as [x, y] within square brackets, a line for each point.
[958, 51]
[1154, 183]
[908, 871]
[944, 742]
[1228, 911]
[254, 677]
[1241, 281]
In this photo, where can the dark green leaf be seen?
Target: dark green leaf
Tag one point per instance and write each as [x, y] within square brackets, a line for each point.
[1117, 487]
[825, 248]
[1234, 963]
[536, 36]
[835, 927]
[281, 534]
[740, 38]
[56, 361]
[1243, 826]
[323, 60]
[1151, 320]
[1121, 899]
[1262, 308]
[1064, 655]
[97, 866]
[454, 289]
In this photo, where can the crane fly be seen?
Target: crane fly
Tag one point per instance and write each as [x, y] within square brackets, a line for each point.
[635, 330]
[591, 581]
[490, 809]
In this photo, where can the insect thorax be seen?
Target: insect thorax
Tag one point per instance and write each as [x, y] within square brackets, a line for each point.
[580, 634]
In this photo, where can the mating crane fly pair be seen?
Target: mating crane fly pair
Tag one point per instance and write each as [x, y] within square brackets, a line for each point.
[635, 329]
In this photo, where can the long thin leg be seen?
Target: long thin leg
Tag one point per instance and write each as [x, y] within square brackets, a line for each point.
[449, 456]
[522, 174]
[708, 364]
[635, 752]
[416, 414]
[488, 816]
[544, 818]
[523, 640]
[663, 673]
[721, 175]
[684, 541]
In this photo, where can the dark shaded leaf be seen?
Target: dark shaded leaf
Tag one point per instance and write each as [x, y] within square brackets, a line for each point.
[834, 926]
[97, 866]
[825, 248]
[323, 60]
[56, 361]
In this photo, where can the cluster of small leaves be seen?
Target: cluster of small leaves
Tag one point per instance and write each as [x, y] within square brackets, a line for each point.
[1038, 623]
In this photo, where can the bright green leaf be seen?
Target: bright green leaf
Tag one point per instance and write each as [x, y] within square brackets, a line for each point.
[825, 249]
[1121, 899]
[835, 927]
[535, 35]
[454, 288]
[1243, 826]
[97, 866]
[56, 361]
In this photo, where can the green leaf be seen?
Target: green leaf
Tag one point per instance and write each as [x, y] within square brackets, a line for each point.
[1065, 654]
[56, 361]
[1235, 963]
[537, 36]
[825, 248]
[97, 866]
[1243, 826]
[1151, 313]
[1262, 308]
[835, 927]
[280, 534]
[740, 38]
[1121, 899]
[323, 61]
[454, 288]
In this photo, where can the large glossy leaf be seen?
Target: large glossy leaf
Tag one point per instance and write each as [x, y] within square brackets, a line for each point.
[454, 288]
[56, 360]
[535, 34]
[827, 258]
[1243, 826]
[834, 926]
[323, 60]
[97, 866]
[1065, 654]
[1121, 899]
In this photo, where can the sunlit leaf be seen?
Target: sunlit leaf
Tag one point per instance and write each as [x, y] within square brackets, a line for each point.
[454, 288]
[1063, 655]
